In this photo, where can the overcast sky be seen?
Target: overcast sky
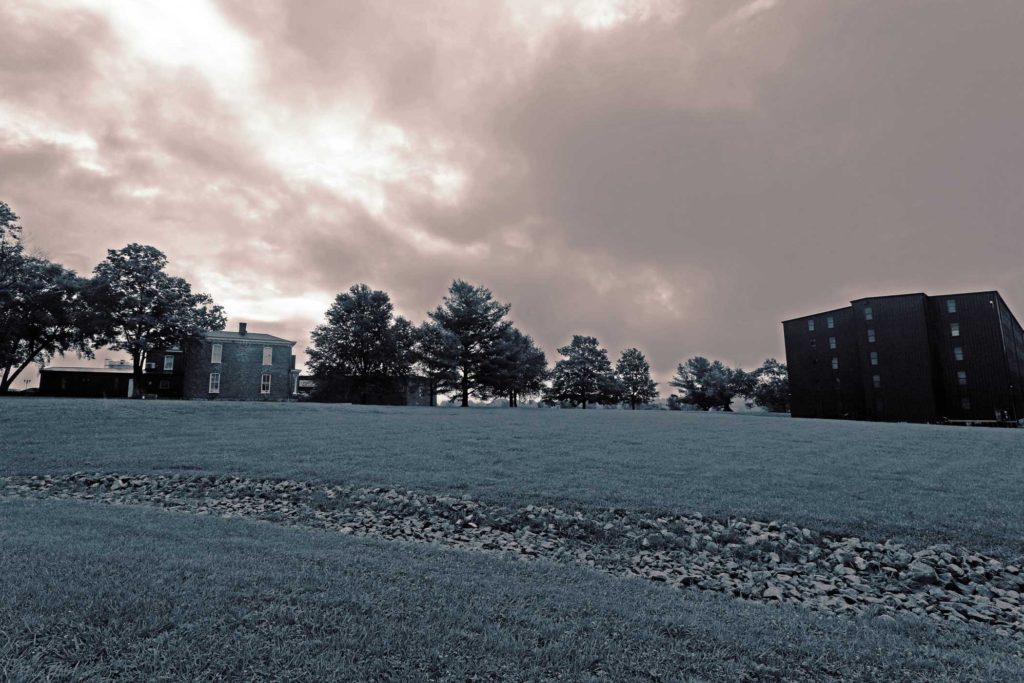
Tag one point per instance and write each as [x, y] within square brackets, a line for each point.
[677, 176]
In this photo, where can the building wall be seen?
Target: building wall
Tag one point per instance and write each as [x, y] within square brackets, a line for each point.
[906, 387]
[919, 361]
[817, 388]
[54, 382]
[241, 370]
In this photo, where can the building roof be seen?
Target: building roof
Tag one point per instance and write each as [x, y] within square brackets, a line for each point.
[221, 335]
[114, 371]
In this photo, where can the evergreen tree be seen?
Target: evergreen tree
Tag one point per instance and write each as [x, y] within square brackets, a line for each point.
[473, 325]
[584, 376]
[634, 375]
[140, 308]
[705, 384]
[362, 348]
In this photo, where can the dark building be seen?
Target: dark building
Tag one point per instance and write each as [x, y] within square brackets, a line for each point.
[112, 381]
[909, 357]
[412, 390]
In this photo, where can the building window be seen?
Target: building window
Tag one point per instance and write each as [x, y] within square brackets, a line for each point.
[876, 381]
[168, 363]
[216, 353]
[810, 325]
[950, 305]
[814, 343]
[965, 403]
[879, 406]
[961, 377]
[874, 357]
[214, 382]
[958, 352]
[830, 322]
[871, 335]
[165, 384]
[835, 363]
[954, 329]
[868, 313]
[265, 384]
[268, 355]
[151, 365]
[831, 342]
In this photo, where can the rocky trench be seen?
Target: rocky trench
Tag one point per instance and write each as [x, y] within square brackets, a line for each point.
[768, 562]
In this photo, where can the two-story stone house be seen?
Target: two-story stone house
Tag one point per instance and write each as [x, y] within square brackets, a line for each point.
[238, 365]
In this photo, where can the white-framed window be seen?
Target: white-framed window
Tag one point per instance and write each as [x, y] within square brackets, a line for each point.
[876, 381]
[214, 382]
[268, 355]
[168, 363]
[965, 403]
[961, 377]
[950, 305]
[871, 335]
[831, 342]
[830, 322]
[868, 313]
[810, 325]
[835, 363]
[958, 352]
[874, 357]
[265, 383]
[954, 329]
[216, 353]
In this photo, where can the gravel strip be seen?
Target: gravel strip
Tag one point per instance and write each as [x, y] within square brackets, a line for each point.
[753, 560]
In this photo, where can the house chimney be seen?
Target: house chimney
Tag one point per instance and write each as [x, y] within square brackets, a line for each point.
[241, 328]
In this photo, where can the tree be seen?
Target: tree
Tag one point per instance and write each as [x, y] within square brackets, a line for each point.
[771, 390]
[435, 353]
[744, 384]
[705, 384]
[634, 375]
[584, 376]
[42, 311]
[518, 367]
[362, 348]
[474, 324]
[140, 308]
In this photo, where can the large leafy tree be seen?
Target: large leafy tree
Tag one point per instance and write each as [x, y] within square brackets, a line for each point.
[584, 376]
[705, 384]
[771, 388]
[474, 325]
[634, 374]
[362, 347]
[140, 308]
[436, 353]
[42, 311]
[518, 368]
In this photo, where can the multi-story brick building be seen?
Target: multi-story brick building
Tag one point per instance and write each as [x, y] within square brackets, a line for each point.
[909, 357]
[238, 365]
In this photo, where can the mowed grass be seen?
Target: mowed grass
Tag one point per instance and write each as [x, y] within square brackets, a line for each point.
[915, 483]
[93, 592]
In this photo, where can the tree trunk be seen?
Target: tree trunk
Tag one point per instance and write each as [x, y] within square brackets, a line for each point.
[9, 378]
[465, 391]
[632, 403]
[584, 404]
[136, 374]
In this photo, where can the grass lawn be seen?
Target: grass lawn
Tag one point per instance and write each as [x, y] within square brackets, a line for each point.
[915, 483]
[105, 592]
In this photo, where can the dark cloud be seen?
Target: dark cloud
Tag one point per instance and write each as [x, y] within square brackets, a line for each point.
[677, 181]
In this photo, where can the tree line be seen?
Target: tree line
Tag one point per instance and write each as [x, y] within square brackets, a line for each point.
[466, 348]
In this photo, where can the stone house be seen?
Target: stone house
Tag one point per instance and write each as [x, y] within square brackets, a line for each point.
[240, 366]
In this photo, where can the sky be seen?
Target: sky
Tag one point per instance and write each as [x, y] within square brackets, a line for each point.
[678, 176]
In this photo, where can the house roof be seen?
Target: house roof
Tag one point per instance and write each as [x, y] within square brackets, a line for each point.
[221, 335]
[115, 371]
